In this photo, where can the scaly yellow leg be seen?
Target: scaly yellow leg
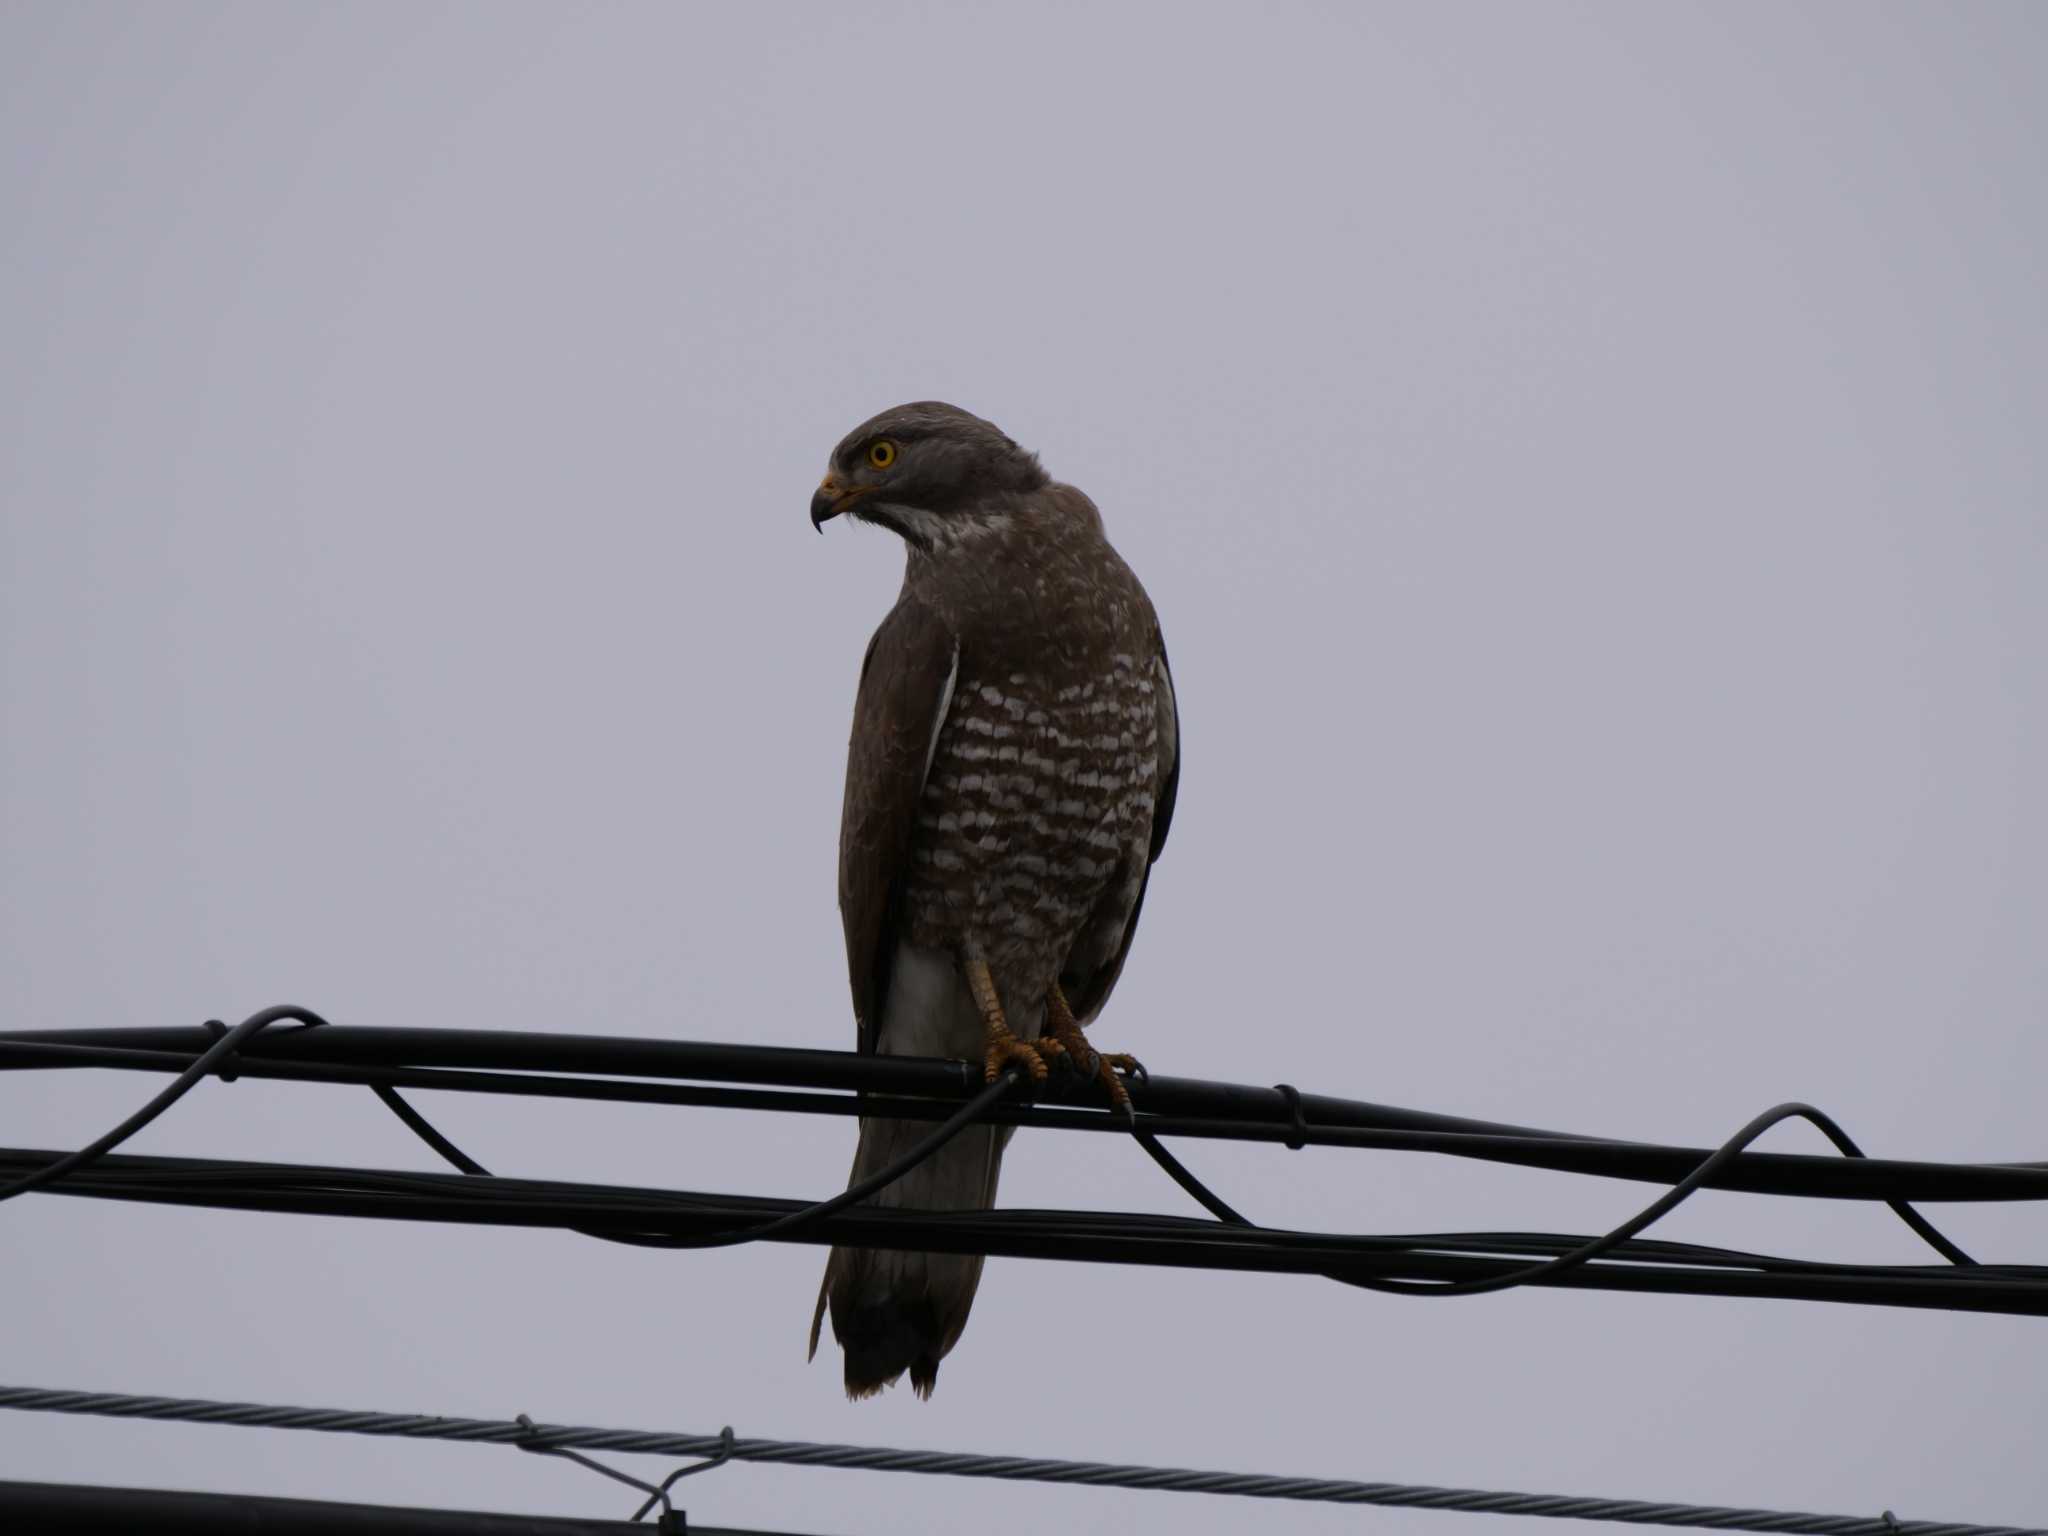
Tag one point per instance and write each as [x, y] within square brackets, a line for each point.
[1002, 1047]
[1064, 1031]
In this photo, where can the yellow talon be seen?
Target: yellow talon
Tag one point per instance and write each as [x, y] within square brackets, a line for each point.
[1063, 1032]
[1006, 1048]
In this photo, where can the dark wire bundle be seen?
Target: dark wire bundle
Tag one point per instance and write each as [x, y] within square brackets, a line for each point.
[949, 1094]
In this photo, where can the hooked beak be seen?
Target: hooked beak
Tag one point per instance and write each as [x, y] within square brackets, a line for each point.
[832, 498]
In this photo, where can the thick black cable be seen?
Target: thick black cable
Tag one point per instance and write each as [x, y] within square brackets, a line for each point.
[1108, 1237]
[1677, 1195]
[861, 1189]
[227, 1042]
[224, 1046]
[781, 1226]
[78, 1509]
[1177, 1107]
[220, 1055]
[1655, 1211]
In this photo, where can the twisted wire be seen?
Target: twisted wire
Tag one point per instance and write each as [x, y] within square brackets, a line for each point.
[1637, 1264]
[1093, 1474]
[916, 1088]
[680, 1220]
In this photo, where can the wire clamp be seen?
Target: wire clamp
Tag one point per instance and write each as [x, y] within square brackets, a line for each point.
[673, 1521]
[1299, 1136]
[216, 1031]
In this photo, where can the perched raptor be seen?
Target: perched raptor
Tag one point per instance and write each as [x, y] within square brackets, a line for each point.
[1009, 782]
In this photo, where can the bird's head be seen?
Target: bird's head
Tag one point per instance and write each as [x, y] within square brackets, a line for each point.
[931, 472]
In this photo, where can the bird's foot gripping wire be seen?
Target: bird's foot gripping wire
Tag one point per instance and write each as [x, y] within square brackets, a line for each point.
[1063, 1037]
[1007, 1050]
[1001, 1046]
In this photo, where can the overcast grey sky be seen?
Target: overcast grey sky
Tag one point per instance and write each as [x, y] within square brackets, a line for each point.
[1589, 461]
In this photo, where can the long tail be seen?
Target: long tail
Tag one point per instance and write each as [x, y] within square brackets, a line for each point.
[895, 1311]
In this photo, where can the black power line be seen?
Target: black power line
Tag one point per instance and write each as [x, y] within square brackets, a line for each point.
[73, 1510]
[1433, 1264]
[1101, 1237]
[919, 1088]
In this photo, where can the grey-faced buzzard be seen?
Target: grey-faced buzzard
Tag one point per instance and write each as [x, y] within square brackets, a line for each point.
[1009, 783]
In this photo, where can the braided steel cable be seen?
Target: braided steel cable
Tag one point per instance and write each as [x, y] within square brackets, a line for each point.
[1091, 1474]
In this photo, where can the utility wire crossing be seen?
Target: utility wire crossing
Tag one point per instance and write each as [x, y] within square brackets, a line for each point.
[1442, 1264]
[1092, 1474]
[531, 1064]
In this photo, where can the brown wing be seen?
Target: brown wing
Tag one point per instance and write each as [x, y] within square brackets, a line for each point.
[906, 684]
[1086, 985]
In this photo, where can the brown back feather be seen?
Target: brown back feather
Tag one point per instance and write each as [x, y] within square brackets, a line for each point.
[903, 684]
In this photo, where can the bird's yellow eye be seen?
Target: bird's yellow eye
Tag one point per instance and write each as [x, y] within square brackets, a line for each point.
[881, 453]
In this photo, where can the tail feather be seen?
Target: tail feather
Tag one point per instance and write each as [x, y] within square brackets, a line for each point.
[895, 1311]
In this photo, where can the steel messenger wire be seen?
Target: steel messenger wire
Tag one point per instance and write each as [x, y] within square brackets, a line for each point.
[1093, 1474]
